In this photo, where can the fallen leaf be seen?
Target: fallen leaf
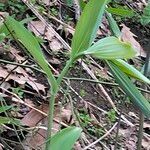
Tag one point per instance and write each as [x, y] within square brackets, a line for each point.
[32, 118]
[146, 143]
[15, 55]
[47, 2]
[128, 36]
[39, 29]
[55, 45]
[18, 70]
[54, 61]
[21, 79]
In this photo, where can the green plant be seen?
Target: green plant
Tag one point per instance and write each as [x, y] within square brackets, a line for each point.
[85, 118]
[14, 6]
[6, 120]
[110, 49]
[145, 18]
[82, 92]
[18, 91]
[111, 115]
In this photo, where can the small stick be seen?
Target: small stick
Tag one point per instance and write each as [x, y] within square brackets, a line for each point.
[105, 135]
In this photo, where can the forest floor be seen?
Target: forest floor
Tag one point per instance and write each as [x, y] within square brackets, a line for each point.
[89, 96]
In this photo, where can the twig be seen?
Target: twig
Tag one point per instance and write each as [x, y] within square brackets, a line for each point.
[105, 135]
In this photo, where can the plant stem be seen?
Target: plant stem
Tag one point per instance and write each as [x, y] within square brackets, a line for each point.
[50, 120]
[52, 102]
[140, 133]
[64, 71]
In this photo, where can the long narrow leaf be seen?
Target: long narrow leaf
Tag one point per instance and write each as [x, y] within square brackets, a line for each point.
[121, 11]
[130, 70]
[4, 108]
[110, 48]
[4, 120]
[131, 90]
[31, 44]
[65, 139]
[113, 25]
[87, 26]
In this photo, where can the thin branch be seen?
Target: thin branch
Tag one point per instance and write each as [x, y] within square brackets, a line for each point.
[105, 135]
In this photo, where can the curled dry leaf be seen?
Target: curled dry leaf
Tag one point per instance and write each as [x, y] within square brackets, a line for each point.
[128, 36]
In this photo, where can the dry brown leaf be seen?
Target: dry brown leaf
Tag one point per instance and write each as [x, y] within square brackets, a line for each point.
[32, 118]
[55, 45]
[36, 86]
[54, 61]
[15, 55]
[146, 144]
[38, 28]
[47, 2]
[128, 36]
[21, 79]
[19, 70]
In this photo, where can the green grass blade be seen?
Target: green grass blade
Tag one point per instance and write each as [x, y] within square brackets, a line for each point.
[130, 70]
[65, 139]
[110, 48]
[121, 11]
[131, 90]
[87, 26]
[6, 120]
[31, 44]
[113, 25]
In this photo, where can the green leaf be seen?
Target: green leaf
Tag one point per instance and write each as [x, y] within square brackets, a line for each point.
[31, 44]
[121, 11]
[130, 89]
[110, 48]
[2, 37]
[113, 25]
[82, 4]
[4, 108]
[65, 139]
[4, 120]
[87, 26]
[130, 70]
[69, 2]
[145, 18]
